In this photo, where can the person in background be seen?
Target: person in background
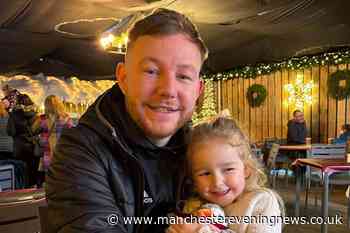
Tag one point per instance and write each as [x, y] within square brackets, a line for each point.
[225, 172]
[124, 158]
[297, 132]
[3, 119]
[344, 135]
[19, 123]
[10, 97]
[6, 146]
[49, 126]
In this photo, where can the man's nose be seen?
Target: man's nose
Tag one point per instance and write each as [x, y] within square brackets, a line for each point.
[167, 85]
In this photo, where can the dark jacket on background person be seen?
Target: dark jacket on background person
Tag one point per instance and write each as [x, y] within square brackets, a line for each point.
[296, 132]
[106, 166]
[20, 120]
[342, 139]
[18, 126]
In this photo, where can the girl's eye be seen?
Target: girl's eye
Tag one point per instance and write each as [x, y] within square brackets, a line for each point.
[230, 169]
[184, 77]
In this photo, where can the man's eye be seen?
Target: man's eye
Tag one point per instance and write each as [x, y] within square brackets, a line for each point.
[151, 71]
[204, 174]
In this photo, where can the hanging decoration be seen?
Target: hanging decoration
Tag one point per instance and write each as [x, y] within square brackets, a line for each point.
[119, 43]
[334, 58]
[339, 84]
[208, 107]
[256, 95]
[299, 92]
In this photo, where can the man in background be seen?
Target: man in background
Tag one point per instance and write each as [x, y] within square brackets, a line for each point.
[297, 128]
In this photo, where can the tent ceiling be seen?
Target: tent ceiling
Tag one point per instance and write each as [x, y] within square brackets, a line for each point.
[59, 37]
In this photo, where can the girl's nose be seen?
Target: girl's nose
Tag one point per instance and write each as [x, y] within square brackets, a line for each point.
[218, 180]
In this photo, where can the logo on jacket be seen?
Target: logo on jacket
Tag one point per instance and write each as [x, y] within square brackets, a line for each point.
[146, 198]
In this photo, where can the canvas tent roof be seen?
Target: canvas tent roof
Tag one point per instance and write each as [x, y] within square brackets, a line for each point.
[59, 37]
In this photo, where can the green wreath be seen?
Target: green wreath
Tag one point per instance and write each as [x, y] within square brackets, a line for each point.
[256, 95]
[335, 89]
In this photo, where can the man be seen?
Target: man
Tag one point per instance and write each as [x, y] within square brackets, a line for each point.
[296, 129]
[124, 157]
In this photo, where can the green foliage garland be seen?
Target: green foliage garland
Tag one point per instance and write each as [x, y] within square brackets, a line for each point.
[256, 95]
[335, 89]
[295, 63]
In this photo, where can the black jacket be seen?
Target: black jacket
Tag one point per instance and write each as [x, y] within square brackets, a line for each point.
[296, 133]
[18, 126]
[105, 165]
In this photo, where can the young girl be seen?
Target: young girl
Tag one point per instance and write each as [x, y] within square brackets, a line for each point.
[226, 173]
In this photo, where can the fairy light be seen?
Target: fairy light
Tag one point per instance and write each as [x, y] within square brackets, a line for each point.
[295, 63]
[106, 41]
[110, 41]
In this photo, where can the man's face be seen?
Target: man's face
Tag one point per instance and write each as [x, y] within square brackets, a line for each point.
[299, 117]
[160, 81]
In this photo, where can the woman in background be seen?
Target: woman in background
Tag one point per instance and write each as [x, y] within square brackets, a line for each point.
[4, 116]
[49, 126]
[345, 134]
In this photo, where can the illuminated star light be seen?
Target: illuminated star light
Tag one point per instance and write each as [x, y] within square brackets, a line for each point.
[299, 92]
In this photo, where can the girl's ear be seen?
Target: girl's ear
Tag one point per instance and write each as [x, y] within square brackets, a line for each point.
[247, 171]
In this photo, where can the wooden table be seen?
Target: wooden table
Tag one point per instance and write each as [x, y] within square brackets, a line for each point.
[296, 148]
[327, 167]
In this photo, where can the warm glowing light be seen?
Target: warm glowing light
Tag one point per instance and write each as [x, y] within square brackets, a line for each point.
[299, 92]
[107, 41]
[115, 43]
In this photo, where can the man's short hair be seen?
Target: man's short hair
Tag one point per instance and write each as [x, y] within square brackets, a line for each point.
[167, 22]
[295, 112]
[346, 127]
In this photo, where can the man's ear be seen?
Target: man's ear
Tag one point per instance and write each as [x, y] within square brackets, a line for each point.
[120, 74]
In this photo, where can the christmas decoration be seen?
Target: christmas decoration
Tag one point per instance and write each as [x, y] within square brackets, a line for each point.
[334, 58]
[256, 95]
[299, 93]
[339, 84]
[208, 108]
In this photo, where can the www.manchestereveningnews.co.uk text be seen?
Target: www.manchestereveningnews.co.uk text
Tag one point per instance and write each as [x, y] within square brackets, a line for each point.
[114, 219]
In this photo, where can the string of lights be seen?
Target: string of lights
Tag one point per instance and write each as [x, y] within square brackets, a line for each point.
[296, 63]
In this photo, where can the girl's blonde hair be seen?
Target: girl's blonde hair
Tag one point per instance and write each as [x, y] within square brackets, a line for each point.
[228, 130]
[54, 107]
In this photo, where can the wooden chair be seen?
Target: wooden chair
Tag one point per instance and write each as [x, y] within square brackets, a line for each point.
[274, 166]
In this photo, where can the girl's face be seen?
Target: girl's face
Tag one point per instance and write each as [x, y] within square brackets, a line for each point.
[218, 172]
